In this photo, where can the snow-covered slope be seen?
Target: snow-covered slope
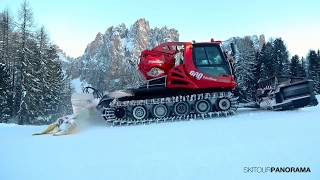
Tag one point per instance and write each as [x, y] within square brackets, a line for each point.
[203, 149]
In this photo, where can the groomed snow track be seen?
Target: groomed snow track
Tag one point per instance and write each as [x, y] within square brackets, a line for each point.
[215, 99]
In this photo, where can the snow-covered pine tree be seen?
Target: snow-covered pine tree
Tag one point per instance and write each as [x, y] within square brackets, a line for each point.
[314, 69]
[5, 33]
[8, 52]
[281, 55]
[24, 90]
[24, 56]
[4, 93]
[245, 66]
[33, 83]
[40, 66]
[259, 62]
[304, 66]
[54, 83]
[296, 68]
[267, 67]
[2, 37]
[65, 107]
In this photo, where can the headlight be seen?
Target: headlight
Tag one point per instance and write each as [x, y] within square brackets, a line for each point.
[154, 72]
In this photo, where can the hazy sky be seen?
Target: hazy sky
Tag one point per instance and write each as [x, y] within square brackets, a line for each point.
[72, 24]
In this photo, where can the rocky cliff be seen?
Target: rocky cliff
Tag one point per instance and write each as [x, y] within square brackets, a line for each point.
[109, 61]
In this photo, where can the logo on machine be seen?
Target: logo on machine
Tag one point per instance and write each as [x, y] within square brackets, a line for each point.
[196, 75]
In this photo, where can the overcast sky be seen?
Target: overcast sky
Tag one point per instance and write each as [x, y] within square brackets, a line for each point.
[72, 24]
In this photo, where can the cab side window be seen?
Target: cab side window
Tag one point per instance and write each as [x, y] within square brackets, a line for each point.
[208, 59]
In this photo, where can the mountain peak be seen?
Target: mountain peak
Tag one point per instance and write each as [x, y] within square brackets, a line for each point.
[99, 36]
[94, 45]
[142, 21]
[141, 25]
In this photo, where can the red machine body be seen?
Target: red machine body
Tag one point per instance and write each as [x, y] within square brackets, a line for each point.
[192, 80]
[187, 65]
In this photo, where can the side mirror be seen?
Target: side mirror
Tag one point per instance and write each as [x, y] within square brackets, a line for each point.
[233, 49]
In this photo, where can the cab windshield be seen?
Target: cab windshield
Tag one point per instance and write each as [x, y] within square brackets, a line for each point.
[209, 59]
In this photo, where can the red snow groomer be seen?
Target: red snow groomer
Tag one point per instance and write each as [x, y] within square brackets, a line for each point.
[192, 80]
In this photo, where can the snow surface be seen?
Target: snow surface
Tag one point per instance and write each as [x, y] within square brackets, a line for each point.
[200, 149]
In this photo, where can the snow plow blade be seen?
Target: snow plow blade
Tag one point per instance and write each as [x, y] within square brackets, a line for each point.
[284, 93]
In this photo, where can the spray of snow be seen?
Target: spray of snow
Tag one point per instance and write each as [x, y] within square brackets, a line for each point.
[84, 108]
